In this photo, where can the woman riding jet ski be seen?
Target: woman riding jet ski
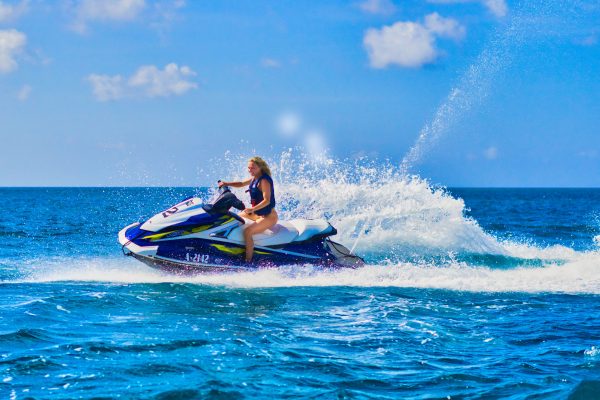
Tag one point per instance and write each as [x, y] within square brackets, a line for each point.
[262, 197]
[192, 237]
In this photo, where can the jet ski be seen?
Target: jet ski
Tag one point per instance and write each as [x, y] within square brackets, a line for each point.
[193, 238]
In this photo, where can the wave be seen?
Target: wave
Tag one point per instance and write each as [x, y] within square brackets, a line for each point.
[580, 275]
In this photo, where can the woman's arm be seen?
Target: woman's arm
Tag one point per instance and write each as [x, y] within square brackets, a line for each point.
[265, 187]
[236, 184]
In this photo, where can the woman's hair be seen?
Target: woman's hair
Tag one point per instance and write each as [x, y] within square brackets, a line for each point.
[262, 164]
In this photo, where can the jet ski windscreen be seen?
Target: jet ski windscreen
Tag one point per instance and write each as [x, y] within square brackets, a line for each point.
[224, 202]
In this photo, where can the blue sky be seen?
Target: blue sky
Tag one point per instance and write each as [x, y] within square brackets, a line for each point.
[141, 92]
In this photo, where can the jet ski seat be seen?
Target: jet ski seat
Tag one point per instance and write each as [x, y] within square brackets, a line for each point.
[295, 230]
[308, 228]
[279, 234]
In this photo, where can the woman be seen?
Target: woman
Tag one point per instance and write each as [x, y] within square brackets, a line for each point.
[262, 196]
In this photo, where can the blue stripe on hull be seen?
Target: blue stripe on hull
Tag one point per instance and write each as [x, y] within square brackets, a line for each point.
[203, 251]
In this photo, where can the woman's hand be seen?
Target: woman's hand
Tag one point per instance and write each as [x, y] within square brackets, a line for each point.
[221, 183]
[249, 211]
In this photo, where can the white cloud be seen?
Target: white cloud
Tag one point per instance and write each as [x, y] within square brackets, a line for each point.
[166, 13]
[24, 93]
[173, 80]
[496, 7]
[383, 7]
[499, 8]
[444, 27]
[288, 124]
[407, 44]
[9, 12]
[107, 87]
[410, 44]
[106, 10]
[118, 10]
[11, 44]
[147, 81]
[491, 153]
[270, 63]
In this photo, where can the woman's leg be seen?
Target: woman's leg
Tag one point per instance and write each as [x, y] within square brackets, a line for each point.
[259, 226]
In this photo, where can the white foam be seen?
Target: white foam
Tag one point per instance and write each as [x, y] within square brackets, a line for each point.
[93, 269]
[382, 211]
[385, 211]
[592, 352]
[581, 275]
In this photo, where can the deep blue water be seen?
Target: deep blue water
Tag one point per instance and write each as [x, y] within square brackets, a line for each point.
[79, 320]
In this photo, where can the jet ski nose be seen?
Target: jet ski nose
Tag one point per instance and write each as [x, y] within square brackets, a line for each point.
[129, 233]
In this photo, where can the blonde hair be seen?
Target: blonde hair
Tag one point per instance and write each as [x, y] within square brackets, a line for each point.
[262, 164]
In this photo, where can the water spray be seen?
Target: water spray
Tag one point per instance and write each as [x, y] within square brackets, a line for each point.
[472, 88]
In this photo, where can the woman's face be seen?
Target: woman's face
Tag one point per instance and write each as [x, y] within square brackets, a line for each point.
[253, 169]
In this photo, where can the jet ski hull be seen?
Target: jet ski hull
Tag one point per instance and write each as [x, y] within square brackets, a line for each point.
[190, 238]
[194, 257]
[185, 269]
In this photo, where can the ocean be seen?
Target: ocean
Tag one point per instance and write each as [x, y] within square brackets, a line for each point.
[467, 294]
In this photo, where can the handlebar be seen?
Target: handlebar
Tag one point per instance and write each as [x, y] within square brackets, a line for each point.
[223, 189]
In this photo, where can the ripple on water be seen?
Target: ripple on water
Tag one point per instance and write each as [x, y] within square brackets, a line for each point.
[25, 336]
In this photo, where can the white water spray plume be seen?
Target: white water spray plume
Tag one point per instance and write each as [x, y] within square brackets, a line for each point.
[472, 87]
